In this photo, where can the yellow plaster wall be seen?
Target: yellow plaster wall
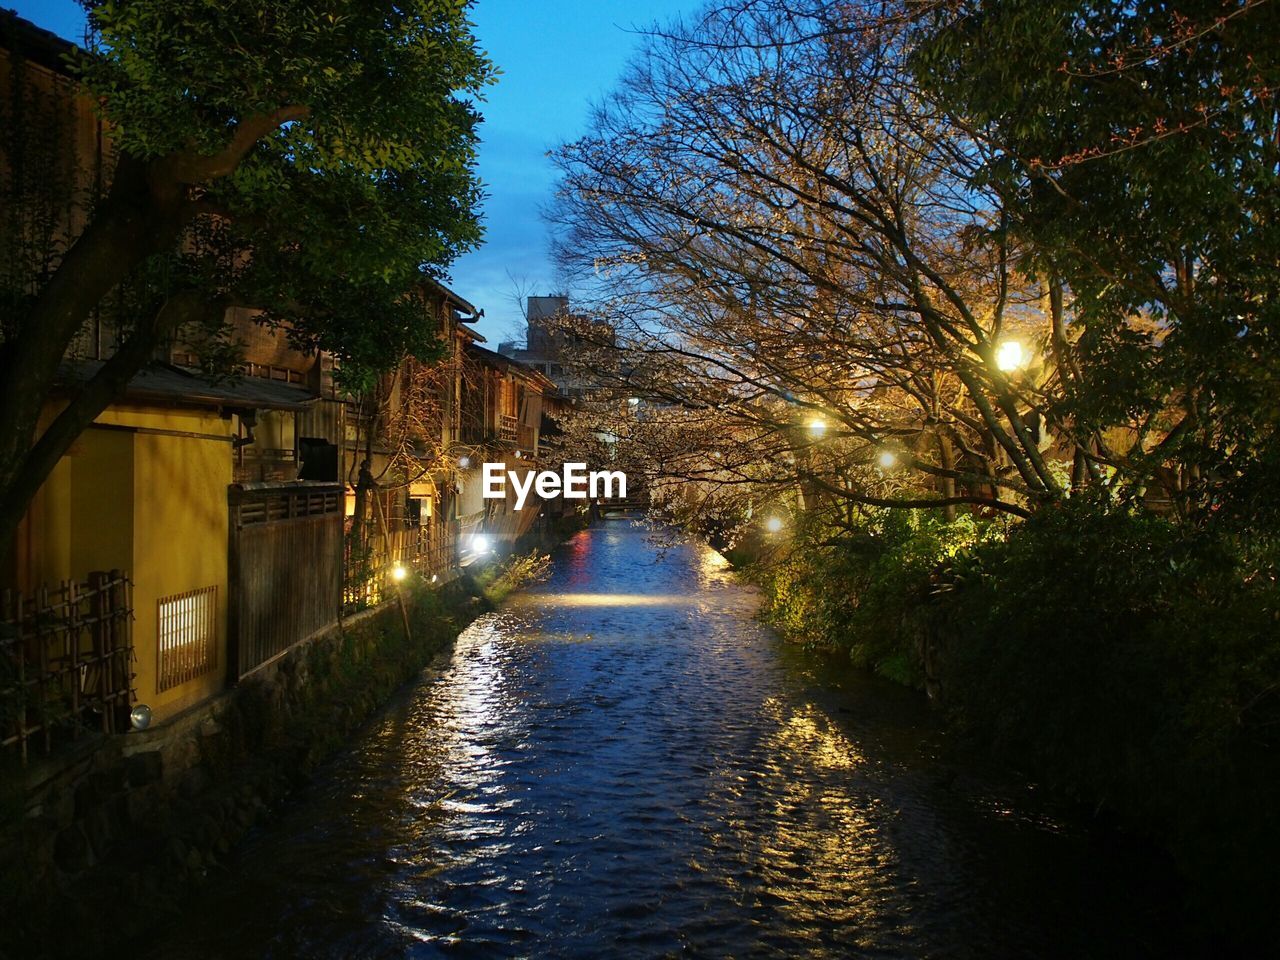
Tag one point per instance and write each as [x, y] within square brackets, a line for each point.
[42, 552]
[101, 504]
[144, 490]
[180, 536]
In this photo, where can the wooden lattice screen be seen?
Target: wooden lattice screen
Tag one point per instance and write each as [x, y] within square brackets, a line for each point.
[66, 661]
[187, 630]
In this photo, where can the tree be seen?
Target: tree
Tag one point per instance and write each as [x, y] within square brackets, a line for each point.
[1136, 148]
[312, 162]
[781, 231]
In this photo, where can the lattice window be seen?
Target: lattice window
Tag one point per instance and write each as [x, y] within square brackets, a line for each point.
[188, 632]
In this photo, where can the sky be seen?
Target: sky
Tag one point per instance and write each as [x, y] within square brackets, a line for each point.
[557, 57]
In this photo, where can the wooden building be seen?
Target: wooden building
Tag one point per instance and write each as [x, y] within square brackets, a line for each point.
[198, 529]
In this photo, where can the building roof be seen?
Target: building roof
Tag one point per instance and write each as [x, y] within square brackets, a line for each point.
[498, 361]
[34, 43]
[451, 297]
[167, 383]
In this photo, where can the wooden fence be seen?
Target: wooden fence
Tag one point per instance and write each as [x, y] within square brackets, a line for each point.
[285, 569]
[66, 661]
[428, 550]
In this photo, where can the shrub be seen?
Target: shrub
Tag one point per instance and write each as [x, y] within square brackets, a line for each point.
[861, 590]
[1132, 664]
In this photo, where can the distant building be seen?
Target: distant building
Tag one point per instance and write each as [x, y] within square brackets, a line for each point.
[552, 350]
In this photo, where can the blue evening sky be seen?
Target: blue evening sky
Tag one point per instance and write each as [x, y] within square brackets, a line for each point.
[556, 57]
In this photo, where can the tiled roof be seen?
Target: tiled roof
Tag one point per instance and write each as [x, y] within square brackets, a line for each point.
[166, 382]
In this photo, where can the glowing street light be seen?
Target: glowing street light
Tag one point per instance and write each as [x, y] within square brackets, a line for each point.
[817, 426]
[398, 572]
[1011, 356]
[480, 543]
[887, 459]
[773, 524]
[464, 462]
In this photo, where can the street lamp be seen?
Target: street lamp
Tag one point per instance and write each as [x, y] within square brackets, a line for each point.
[398, 572]
[773, 524]
[480, 543]
[464, 462]
[817, 426]
[1010, 356]
[887, 459]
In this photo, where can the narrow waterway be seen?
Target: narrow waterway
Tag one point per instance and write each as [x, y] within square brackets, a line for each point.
[622, 762]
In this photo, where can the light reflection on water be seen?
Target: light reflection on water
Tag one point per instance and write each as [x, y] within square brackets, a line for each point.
[622, 762]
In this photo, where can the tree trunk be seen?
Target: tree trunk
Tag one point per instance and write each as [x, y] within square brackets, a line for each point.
[947, 460]
[140, 216]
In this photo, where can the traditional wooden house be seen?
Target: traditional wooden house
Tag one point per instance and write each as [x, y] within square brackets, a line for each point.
[401, 450]
[201, 528]
[501, 409]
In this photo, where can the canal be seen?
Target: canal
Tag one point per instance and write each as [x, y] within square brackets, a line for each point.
[623, 762]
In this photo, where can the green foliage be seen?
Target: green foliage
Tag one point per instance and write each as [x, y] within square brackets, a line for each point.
[498, 581]
[361, 184]
[861, 590]
[1136, 148]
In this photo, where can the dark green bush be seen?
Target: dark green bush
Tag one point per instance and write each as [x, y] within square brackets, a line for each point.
[1114, 656]
[1133, 664]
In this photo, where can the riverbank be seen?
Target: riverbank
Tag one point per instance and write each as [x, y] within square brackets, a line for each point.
[1122, 662]
[99, 847]
[102, 847]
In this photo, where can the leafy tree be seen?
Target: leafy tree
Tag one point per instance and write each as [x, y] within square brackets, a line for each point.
[314, 162]
[1136, 147]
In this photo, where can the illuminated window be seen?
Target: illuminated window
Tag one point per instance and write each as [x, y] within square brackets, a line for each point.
[187, 625]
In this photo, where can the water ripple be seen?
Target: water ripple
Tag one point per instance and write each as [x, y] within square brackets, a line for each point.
[623, 762]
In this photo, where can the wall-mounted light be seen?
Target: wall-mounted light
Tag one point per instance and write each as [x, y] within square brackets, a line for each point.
[399, 572]
[464, 462]
[887, 459]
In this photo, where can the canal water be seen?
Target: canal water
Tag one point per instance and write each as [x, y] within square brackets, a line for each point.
[622, 762]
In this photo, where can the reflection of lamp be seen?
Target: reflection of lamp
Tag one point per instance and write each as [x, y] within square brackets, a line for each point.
[140, 717]
[398, 572]
[773, 524]
[1010, 356]
[887, 459]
